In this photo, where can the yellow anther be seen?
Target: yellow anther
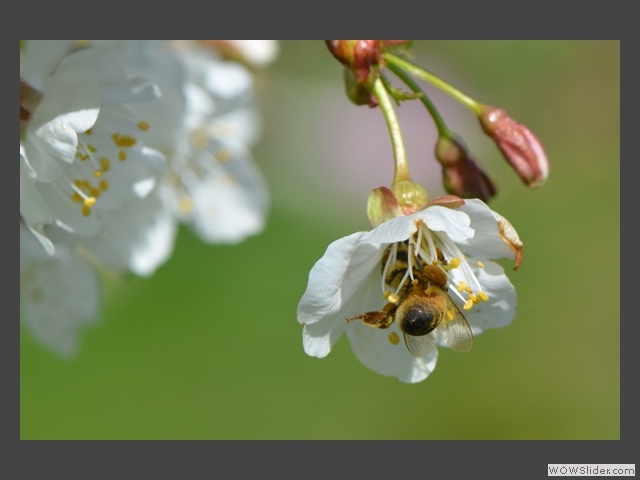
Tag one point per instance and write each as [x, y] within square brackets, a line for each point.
[483, 297]
[122, 155]
[386, 294]
[480, 264]
[76, 197]
[88, 131]
[83, 157]
[104, 185]
[467, 305]
[123, 141]
[394, 338]
[185, 205]
[86, 210]
[94, 192]
[142, 125]
[393, 298]
[454, 262]
[449, 316]
[224, 155]
[473, 298]
[175, 180]
[229, 179]
[91, 148]
[463, 287]
[97, 173]
[224, 129]
[105, 164]
[199, 139]
[89, 201]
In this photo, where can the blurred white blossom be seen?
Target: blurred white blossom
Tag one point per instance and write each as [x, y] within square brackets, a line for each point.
[60, 294]
[126, 140]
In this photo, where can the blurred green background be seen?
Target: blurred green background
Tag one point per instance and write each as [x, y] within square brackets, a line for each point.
[209, 347]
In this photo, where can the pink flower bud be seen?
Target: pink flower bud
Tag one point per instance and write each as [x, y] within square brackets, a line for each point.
[461, 174]
[518, 144]
[360, 55]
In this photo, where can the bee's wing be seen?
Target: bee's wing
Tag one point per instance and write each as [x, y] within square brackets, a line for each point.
[419, 346]
[457, 332]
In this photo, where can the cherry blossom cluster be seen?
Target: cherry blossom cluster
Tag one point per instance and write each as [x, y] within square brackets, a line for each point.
[120, 142]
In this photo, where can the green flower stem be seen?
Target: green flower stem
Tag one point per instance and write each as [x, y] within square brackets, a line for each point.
[401, 166]
[443, 130]
[417, 71]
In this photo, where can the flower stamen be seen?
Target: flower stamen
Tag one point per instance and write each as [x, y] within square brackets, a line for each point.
[391, 260]
[451, 264]
[407, 273]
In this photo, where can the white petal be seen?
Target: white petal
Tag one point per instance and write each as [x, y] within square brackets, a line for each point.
[58, 296]
[397, 229]
[45, 241]
[453, 222]
[226, 80]
[319, 337]
[241, 125]
[139, 238]
[337, 284]
[437, 218]
[32, 208]
[487, 242]
[31, 248]
[148, 59]
[70, 105]
[229, 198]
[41, 58]
[342, 271]
[499, 310]
[258, 53]
[101, 63]
[374, 348]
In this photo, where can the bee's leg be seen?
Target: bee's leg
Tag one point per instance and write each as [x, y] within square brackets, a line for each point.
[381, 319]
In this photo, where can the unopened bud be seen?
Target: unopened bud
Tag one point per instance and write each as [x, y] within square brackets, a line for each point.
[518, 144]
[362, 56]
[403, 198]
[362, 61]
[461, 174]
[356, 91]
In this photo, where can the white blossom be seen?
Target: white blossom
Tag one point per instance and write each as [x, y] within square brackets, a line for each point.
[348, 281]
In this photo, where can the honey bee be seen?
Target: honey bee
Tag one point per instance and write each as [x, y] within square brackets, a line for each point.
[420, 306]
